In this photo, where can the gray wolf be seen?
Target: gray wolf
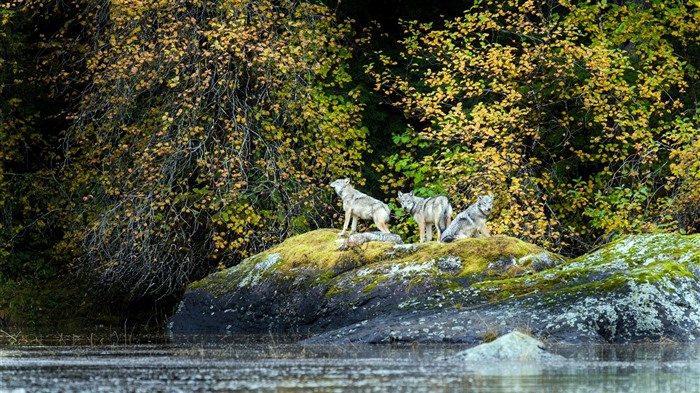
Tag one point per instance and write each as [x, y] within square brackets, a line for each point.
[427, 212]
[471, 222]
[360, 206]
[358, 239]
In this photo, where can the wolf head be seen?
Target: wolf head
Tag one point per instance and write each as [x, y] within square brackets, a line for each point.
[339, 184]
[407, 200]
[485, 204]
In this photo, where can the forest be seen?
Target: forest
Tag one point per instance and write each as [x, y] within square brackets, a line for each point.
[147, 143]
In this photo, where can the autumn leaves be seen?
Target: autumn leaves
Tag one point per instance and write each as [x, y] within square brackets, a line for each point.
[214, 122]
[201, 132]
[576, 117]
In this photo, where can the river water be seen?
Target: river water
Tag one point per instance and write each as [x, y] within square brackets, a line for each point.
[274, 364]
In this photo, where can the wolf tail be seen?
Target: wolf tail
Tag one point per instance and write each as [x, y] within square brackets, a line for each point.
[447, 235]
[447, 238]
[449, 227]
[444, 219]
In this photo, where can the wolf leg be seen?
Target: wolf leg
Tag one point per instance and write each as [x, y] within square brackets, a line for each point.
[353, 228]
[421, 230]
[381, 219]
[483, 232]
[382, 225]
[429, 232]
[348, 216]
[437, 227]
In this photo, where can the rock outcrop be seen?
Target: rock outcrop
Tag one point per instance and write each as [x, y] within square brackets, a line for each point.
[640, 288]
[511, 347]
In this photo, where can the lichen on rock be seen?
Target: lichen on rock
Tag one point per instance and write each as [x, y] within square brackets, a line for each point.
[306, 279]
[636, 288]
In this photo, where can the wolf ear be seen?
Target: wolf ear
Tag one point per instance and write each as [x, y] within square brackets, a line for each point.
[400, 194]
[412, 193]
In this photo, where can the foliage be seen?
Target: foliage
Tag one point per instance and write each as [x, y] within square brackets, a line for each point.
[30, 213]
[148, 143]
[576, 116]
[6, 143]
[206, 132]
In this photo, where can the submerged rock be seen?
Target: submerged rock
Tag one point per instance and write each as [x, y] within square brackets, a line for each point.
[514, 346]
[640, 288]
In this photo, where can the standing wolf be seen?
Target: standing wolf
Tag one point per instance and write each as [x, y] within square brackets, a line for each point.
[471, 222]
[427, 212]
[360, 206]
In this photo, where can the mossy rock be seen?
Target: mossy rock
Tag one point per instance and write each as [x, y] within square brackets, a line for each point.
[306, 285]
[660, 259]
[637, 289]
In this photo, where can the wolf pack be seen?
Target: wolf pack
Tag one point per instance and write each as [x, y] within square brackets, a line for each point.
[428, 212]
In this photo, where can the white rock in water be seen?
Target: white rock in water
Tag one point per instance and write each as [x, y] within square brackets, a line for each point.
[513, 346]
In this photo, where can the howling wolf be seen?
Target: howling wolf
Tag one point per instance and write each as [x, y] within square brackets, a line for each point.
[427, 212]
[360, 206]
[471, 222]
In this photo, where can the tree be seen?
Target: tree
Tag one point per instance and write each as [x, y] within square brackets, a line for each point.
[30, 220]
[573, 115]
[206, 132]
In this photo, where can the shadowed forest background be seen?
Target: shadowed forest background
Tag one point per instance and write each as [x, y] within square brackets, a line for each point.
[145, 144]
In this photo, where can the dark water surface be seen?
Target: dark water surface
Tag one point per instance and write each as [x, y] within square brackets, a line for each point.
[272, 364]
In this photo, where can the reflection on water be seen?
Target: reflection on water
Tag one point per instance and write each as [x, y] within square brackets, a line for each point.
[269, 364]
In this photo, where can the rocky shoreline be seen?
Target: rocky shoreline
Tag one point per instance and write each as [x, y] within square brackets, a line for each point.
[640, 288]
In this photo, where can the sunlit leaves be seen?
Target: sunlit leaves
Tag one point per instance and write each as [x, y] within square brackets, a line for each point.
[206, 130]
[566, 117]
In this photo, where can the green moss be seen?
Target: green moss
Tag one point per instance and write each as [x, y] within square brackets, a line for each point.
[319, 250]
[649, 259]
[374, 282]
[476, 254]
[662, 269]
[311, 249]
[316, 252]
[462, 264]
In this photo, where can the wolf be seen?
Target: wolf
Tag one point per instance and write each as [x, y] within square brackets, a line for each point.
[360, 206]
[359, 239]
[471, 222]
[427, 212]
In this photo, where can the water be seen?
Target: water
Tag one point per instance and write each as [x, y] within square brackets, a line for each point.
[272, 364]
